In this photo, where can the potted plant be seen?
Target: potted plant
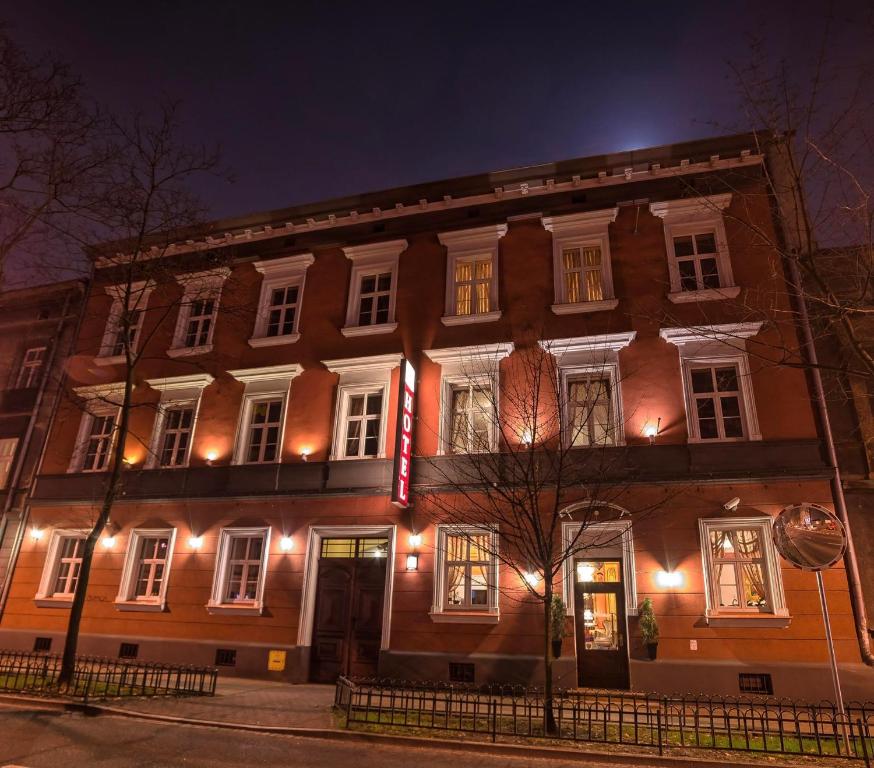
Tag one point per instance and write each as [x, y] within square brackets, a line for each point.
[649, 628]
[557, 614]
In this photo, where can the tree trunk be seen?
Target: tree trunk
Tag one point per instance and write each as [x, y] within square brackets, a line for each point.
[71, 641]
[549, 725]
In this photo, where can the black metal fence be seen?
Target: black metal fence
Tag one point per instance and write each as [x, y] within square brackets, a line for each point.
[97, 678]
[663, 723]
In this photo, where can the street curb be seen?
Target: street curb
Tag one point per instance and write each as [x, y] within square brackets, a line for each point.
[505, 750]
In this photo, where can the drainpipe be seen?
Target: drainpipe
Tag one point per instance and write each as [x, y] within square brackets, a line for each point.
[28, 436]
[790, 203]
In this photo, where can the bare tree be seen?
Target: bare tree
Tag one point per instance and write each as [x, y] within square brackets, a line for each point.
[146, 203]
[522, 450]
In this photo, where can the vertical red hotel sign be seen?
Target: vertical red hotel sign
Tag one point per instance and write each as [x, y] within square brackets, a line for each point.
[400, 489]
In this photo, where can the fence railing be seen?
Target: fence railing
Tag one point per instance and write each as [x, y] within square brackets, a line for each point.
[767, 725]
[99, 678]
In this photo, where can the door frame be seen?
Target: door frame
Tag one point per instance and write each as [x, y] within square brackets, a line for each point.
[311, 575]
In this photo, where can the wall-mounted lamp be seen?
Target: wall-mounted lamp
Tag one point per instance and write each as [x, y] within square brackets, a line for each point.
[531, 579]
[108, 542]
[305, 454]
[195, 542]
[128, 461]
[286, 543]
[211, 456]
[668, 579]
[527, 437]
[652, 430]
[415, 539]
[413, 562]
[36, 533]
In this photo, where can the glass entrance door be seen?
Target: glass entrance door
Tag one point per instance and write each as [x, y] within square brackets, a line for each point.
[601, 629]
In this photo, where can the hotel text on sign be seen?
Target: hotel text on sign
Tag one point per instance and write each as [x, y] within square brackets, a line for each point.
[400, 492]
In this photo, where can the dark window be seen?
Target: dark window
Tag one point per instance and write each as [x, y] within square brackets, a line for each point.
[461, 672]
[128, 650]
[42, 644]
[759, 683]
[225, 657]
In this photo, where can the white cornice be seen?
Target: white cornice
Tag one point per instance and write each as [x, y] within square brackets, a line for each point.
[574, 223]
[359, 364]
[388, 250]
[287, 266]
[337, 219]
[172, 383]
[269, 373]
[705, 333]
[469, 239]
[100, 391]
[606, 342]
[141, 287]
[703, 206]
[484, 353]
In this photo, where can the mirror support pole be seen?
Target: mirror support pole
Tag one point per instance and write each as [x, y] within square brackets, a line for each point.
[836, 680]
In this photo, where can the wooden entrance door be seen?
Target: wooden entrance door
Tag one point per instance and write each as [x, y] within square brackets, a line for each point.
[350, 594]
[601, 628]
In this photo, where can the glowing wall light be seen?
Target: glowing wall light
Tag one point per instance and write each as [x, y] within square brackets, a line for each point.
[36, 533]
[108, 542]
[531, 579]
[413, 562]
[415, 539]
[286, 543]
[195, 542]
[668, 579]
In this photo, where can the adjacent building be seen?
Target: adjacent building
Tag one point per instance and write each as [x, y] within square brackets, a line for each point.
[256, 529]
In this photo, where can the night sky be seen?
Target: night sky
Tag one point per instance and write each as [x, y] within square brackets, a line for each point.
[316, 100]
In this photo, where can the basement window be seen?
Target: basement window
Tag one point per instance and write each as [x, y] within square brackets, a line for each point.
[42, 644]
[756, 683]
[128, 650]
[460, 672]
[225, 657]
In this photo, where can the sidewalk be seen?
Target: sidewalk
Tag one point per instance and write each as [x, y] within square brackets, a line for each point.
[248, 702]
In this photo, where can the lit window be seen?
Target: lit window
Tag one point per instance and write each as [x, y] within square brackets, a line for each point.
[590, 411]
[241, 564]
[472, 274]
[471, 418]
[30, 373]
[363, 420]
[280, 303]
[176, 440]
[581, 261]
[146, 569]
[62, 566]
[263, 430]
[741, 568]
[466, 573]
[716, 401]
[198, 311]
[699, 264]
[98, 442]
[7, 456]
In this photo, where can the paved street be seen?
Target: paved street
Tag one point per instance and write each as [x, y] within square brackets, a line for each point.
[42, 738]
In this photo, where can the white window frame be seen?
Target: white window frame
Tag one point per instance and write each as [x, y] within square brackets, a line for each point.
[449, 385]
[716, 345]
[582, 356]
[31, 370]
[8, 448]
[217, 604]
[138, 299]
[99, 400]
[126, 599]
[440, 612]
[46, 597]
[372, 259]
[779, 614]
[359, 375]
[197, 286]
[697, 215]
[176, 392]
[461, 366]
[286, 272]
[269, 383]
[582, 230]
[467, 245]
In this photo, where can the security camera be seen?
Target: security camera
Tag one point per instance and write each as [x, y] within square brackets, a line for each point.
[732, 504]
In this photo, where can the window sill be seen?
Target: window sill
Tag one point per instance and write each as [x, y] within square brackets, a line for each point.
[368, 330]
[485, 317]
[706, 294]
[585, 306]
[134, 605]
[53, 602]
[109, 359]
[722, 440]
[463, 617]
[273, 341]
[229, 609]
[749, 620]
[189, 351]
